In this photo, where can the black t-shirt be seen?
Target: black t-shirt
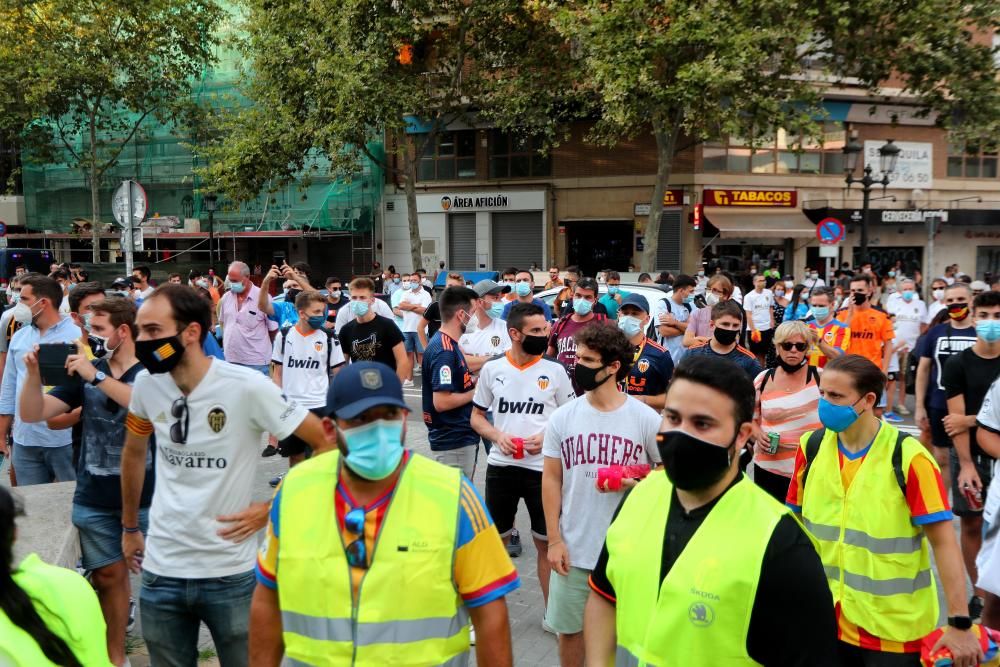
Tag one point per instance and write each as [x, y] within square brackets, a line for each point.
[371, 341]
[792, 622]
[970, 375]
[102, 438]
[334, 308]
[433, 316]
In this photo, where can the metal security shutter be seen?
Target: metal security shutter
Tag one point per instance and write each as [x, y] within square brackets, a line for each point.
[668, 251]
[517, 239]
[462, 242]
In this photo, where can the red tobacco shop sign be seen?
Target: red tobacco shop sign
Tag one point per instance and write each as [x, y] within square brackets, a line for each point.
[779, 198]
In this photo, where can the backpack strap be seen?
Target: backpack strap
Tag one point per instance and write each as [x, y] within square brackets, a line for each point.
[812, 449]
[767, 378]
[284, 339]
[812, 374]
[897, 462]
[331, 340]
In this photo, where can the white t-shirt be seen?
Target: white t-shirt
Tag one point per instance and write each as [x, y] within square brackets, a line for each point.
[142, 294]
[933, 310]
[522, 399]
[487, 340]
[681, 313]
[811, 284]
[910, 315]
[345, 314]
[759, 305]
[304, 376]
[411, 318]
[212, 475]
[989, 416]
[584, 440]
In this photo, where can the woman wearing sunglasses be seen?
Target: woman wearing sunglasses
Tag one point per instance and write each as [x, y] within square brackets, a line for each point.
[787, 403]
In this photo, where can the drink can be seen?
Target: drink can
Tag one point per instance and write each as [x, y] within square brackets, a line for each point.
[772, 442]
[518, 447]
[974, 498]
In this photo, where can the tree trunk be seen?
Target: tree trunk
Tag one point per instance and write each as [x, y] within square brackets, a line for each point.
[666, 140]
[95, 209]
[410, 187]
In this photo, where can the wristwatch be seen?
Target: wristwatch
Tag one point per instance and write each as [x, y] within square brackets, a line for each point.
[99, 378]
[960, 622]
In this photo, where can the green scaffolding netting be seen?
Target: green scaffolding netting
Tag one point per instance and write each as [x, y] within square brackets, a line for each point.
[159, 158]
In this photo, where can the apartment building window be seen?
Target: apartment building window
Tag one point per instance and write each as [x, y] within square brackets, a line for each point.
[783, 152]
[449, 156]
[515, 156]
[970, 161]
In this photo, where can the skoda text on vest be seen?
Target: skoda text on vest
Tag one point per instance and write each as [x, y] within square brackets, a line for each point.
[610, 450]
[529, 407]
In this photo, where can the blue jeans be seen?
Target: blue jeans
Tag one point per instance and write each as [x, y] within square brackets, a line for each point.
[42, 465]
[172, 610]
[265, 369]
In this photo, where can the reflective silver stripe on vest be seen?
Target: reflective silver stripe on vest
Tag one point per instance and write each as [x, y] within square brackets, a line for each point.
[388, 632]
[460, 660]
[856, 538]
[899, 586]
[624, 658]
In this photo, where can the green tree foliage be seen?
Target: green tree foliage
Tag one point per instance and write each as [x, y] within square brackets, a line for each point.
[707, 68]
[92, 72]
[333, 75]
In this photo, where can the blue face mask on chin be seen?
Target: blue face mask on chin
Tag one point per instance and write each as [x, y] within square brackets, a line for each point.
[375, 449]
[837, 418]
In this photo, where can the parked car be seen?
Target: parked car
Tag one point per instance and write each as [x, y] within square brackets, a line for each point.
[652, 293]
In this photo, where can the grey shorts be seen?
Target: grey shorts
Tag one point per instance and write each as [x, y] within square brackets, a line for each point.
[463, 458]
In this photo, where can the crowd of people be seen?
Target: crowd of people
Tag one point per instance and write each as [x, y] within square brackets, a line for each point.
[698, 458]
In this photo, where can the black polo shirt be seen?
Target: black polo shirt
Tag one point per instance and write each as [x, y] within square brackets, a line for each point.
[792, 622]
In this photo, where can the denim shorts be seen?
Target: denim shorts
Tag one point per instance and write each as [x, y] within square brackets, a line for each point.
[101, 534]
[411, 342]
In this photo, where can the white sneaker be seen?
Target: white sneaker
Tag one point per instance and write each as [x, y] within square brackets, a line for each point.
[407, 383]
[547, 628]
[472, 636]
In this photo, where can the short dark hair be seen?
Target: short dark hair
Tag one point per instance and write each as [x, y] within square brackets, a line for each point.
[572, 269]
[723, 376]
[612, 275]
[509, 271]
[727, 307]
[519, 312]
[862, 278]
[987, 299]
[43, 287]
[81, 292]
[119, 310]
[644, 276]
[143, 271]
[866, 376]
[824, 291]
[684, 280]
[588, 283]
[454, 299]
[194, 274]
[59, 274]
[173, 275]
[333, 279]
[186, 306]
[610, 342]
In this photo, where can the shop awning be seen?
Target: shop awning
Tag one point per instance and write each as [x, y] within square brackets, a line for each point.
[760, 223]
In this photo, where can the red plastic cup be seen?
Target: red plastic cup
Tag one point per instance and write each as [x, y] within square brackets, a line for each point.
[518, 447]
[610, 478]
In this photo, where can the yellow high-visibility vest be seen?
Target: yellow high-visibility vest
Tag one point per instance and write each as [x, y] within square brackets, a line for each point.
[700, 613]
[409, 611]
[876, 561]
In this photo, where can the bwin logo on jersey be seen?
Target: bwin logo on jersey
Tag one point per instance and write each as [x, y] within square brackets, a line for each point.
[529, 407]
[308, 364]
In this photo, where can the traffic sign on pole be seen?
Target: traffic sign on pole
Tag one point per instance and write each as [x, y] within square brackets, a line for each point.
[830, 231]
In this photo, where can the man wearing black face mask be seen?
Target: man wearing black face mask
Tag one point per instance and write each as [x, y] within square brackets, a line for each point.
[726, 323]
[699, 561]
[522, 390]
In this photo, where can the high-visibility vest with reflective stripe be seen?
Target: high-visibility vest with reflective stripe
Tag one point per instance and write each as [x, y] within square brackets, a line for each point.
[701, 610]
[876, 561]
[409, 611]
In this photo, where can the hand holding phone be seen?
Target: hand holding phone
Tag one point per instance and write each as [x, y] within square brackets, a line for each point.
[52, 364]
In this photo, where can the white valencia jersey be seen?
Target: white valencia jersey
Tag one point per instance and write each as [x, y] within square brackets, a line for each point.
[305, 376]
[522, 399]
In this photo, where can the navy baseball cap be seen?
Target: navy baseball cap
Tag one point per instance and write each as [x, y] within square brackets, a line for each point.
[363, 385]
[637, 300]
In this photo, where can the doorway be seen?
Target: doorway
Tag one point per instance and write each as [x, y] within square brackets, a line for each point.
[595, 245]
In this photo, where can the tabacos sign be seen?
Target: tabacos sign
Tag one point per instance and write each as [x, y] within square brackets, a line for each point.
[778, 198]
[673, 197]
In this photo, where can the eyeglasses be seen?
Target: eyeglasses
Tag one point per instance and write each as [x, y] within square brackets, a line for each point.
[179, 429]
[787, 347]
[357, 554]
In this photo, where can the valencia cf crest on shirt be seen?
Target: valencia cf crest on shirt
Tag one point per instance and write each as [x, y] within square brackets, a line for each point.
[318, 345]
[543, 382]
[217, 419]
[495, 341]
[643, 365]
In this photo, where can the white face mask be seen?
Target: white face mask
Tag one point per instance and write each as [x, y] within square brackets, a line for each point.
[21, 313]
[938, 294]
[711, 298]
[472, 326]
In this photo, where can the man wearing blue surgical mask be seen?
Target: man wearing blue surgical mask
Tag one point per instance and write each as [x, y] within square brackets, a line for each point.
[409, 304]
[612, 301]
[652, 365]
[524, 292]
[372, 486]
[487, 337]
[562, 341]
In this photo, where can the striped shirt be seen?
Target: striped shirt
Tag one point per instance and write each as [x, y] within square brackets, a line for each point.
[788, 413]
[834, 333]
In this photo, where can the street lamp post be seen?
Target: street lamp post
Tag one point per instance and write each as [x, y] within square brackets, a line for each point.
[888, 156]
[210, 200]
